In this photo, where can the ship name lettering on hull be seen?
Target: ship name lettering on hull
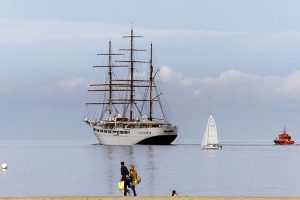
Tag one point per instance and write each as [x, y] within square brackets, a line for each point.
[144, 133]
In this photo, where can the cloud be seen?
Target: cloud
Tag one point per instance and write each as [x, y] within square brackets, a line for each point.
[72, 83]
[26, 31]
[48, 92]
[292, 83]
[32, 31]
[235, 96]
[166, 74]
[231, 87]
[245, 104]
[238, 87]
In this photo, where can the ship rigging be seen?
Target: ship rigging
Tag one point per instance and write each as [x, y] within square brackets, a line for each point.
[127, 114]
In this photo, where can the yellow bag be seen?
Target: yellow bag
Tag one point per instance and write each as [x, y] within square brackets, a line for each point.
[138, 179]
[121, 185]
[135, 182]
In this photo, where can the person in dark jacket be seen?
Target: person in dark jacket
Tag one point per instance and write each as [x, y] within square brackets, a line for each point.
[125, 178]
[174, 193]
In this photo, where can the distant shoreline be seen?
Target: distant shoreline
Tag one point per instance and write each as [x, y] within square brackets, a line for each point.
[148, 198]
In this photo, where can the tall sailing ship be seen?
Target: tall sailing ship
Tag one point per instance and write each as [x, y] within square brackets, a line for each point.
[129, 102]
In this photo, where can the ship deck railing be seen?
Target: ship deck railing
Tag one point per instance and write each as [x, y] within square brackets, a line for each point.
[129, 125]
[136, 122]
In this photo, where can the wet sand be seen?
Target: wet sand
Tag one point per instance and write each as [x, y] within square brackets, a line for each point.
[148, 198]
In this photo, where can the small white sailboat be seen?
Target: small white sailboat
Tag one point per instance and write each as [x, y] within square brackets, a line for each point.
[210, 138]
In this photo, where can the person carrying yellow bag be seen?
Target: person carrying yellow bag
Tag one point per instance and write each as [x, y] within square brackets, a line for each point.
[125, 179]
[121, 185]
[134, 179]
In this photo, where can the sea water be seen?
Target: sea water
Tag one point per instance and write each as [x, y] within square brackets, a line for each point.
[80, 167]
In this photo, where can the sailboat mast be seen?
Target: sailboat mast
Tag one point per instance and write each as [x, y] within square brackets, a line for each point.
[110, 79]
[131, 75]
[208, 127]
[151, 85]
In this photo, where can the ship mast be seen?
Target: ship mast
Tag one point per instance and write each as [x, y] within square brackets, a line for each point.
[131, 74]
[132, 62]
[110, 80]
[110, 74]
[151, 85]
[129, 84]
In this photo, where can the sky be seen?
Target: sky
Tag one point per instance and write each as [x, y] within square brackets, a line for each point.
[236, 59]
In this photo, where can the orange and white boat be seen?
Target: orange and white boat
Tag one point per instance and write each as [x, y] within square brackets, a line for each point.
[284, 138]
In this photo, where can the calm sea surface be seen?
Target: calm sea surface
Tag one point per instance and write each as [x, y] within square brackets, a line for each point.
[61, 167]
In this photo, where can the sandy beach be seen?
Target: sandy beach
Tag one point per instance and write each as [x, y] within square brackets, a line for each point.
[149, 198]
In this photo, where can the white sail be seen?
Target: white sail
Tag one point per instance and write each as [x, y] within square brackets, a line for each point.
[210, 138]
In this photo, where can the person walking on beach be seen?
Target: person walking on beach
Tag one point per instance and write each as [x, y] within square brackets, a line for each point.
[133, 178]
[174, 193]
[125, 177]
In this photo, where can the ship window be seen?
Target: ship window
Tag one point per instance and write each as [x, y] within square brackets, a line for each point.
[127, 132]
[115, 131]
[98, 130]
[108, 131]
[101, 131]
[94, 129]
[105, 131]
[121, 132]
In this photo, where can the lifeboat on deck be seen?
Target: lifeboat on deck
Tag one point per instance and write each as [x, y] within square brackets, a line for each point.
[284, 138]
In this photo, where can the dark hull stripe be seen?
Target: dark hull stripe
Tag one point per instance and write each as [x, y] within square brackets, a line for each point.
[159, 140]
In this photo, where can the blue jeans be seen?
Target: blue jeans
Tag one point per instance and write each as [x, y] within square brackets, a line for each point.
[133, 189]
[126, 186]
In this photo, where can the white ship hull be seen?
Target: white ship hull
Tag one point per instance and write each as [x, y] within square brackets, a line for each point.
[149, 136]
[212, 147]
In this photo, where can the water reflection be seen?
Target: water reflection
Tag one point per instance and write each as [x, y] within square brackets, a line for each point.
[151, 169]
[110, 175]
[235, 170]
[142, 157]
